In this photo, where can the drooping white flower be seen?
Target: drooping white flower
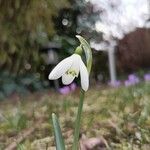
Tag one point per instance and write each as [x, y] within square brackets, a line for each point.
[69, 68]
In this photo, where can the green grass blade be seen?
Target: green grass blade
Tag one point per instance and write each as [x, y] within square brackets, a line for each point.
[58, 135]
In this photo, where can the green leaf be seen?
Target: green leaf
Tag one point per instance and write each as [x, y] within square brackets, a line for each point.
[87, 50]
[58, 135]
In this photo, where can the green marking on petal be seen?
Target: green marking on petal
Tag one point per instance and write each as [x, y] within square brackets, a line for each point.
[71, 72]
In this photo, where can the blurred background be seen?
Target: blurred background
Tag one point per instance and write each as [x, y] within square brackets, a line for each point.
[36, 35]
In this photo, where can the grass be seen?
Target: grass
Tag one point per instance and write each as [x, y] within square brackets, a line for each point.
[121, 116]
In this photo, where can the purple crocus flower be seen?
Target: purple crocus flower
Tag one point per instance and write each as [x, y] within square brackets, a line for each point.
[64, 90]
[147, 77]
[132, 80]
[73, 86]
[127, 83]
[117, 83]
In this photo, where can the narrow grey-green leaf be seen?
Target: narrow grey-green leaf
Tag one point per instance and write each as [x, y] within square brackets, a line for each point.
[87, 50]
[58, 135]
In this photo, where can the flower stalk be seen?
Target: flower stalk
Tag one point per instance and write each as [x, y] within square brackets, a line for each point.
[78, 122]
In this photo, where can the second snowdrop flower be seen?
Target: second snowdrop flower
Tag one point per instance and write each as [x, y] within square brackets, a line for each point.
[70, 68]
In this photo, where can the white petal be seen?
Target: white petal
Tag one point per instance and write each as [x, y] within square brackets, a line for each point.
[67, 79]
[84, 76]
[76, 63]
[61, 68]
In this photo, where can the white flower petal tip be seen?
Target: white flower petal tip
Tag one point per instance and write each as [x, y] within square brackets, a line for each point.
[51, 77]
[77, 36]
[85, 88]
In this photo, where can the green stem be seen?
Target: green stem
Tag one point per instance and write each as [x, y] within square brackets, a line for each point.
[78, 122]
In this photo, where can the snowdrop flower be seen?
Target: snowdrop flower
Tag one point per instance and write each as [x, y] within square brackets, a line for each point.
[69, 68]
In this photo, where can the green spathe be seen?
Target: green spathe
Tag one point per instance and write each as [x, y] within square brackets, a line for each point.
[87, 50]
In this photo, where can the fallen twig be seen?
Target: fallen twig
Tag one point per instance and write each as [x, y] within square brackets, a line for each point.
[20, 138]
